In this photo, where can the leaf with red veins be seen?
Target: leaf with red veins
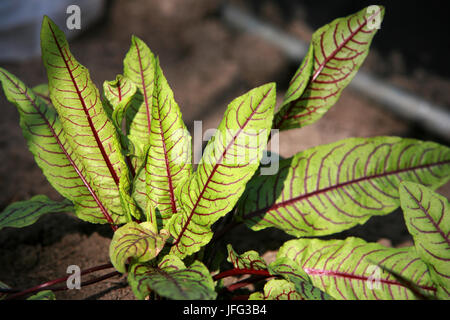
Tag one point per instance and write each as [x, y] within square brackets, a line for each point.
[169, 156]
[337, 52]
[349, 269]
[53, 153]
[135, 242]
[172, 279]
[89, 131]
[427, 216]
[249, 260]
[139, 67]
[230, 159]
[331, 188]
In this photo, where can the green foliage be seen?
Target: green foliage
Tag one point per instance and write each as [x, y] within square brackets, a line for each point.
[125, 158]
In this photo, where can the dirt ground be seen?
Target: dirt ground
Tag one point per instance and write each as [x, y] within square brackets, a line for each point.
[207, 64]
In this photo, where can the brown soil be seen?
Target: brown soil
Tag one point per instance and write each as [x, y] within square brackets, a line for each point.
[207, 64]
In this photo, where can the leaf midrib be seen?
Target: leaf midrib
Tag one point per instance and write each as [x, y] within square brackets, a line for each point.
[429, 217]
[166, 161]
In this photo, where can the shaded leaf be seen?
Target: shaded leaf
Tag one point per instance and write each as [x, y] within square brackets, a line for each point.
[427, 216]
[172, 280]
[24, 213]
[3, 286]
[330, 188]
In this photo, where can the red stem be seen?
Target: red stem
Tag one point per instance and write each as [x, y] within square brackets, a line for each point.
[47, 284]
[235, 272]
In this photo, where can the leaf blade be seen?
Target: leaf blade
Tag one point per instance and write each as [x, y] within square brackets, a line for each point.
[77, 100]
[427, 218]
[173, 280]
[339, 50]
[48, 143]
[169, 157]
[348, 269]
[139, 67]
[24, 213]
[333, 187]
[139, 242]
[230, 159]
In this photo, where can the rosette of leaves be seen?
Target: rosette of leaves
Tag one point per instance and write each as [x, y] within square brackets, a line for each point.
[124, 158]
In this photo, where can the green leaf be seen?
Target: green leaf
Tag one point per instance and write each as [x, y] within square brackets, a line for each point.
[330, 188]
[339, 50]
[43, 92]
[89, 131]
[24, 213]
[169, 157]
[230, 159]
[292, 272]
[298, 83]
[52, 152]
[43, 295]
[140, 242]
[139, 67]
[249, 260]
[139, 192]
[172, 280]
[427, 217]
[283, 267]
[277, 289]
[348, 269]
[119, 93]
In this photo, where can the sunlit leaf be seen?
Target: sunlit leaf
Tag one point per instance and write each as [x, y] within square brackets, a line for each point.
[427, 216]
[330, 188]
[90, 133]
[230, 159]
[339, 49]
[138, 242]
[348, 269]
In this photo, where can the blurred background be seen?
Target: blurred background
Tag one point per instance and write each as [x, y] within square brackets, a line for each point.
[208, 60]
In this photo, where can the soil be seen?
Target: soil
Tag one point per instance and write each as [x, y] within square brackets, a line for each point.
[207, 64]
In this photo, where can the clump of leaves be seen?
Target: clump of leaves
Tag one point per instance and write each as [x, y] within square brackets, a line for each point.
[124, 158]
